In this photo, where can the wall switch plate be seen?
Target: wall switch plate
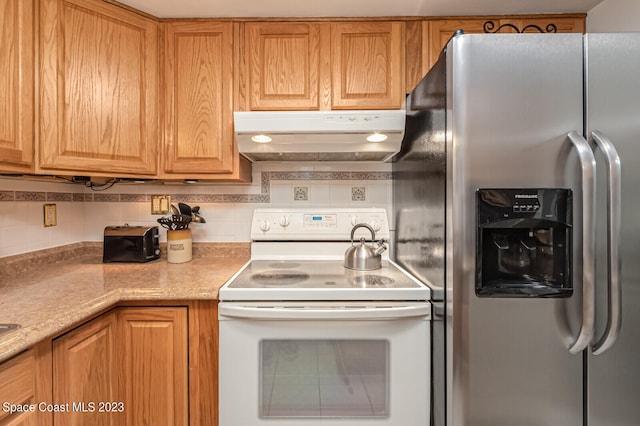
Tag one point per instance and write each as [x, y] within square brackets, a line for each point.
[160, 204]
[300, 193]
[50, 215]
[358, 193]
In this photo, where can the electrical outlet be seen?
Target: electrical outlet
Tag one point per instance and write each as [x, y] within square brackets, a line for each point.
[300, 193]
[50, 215]
[358, 193]
[160, 204]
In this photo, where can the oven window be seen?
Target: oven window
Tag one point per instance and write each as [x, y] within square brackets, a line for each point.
[324, 378]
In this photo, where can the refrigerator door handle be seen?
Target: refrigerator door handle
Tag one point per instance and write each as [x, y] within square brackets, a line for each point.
[614, 206]
[588, 167]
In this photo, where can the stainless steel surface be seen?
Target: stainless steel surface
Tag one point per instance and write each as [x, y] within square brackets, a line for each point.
[614, 200]
[613, 108]
[495, 114]
[588, 179]
[363, 257]
[5, 328]
[513, 112]
[438, 365]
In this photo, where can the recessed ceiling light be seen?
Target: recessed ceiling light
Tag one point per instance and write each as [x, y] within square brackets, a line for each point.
[377, 137]
[261, 138]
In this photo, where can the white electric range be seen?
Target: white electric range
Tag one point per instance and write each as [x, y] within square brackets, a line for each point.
[304, 340]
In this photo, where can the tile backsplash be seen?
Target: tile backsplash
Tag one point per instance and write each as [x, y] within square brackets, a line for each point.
[82, 213]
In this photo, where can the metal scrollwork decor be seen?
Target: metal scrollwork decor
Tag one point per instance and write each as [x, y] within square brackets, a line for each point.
[489, 26]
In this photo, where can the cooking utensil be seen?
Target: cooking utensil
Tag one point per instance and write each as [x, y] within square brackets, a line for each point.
[363, 257]
[175, 222]
[185, 209]
[195, 214]
[174, 209]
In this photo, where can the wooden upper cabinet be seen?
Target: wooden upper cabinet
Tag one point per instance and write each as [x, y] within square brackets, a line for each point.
[16, 86]
[198, 97]
[367, 65]
[322, 65]
[437, 32]
[283, 65]
[98, 89]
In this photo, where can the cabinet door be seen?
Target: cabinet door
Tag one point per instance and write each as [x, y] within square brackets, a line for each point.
[16, 85]
[18, 387]
[284, 65]
[367, 65]
[85, 371]
[441, 30]
[198, 68]
[154, 350]
[550, 24]
[98, 89]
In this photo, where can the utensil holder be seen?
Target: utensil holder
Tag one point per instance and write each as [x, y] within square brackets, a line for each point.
[179, 246]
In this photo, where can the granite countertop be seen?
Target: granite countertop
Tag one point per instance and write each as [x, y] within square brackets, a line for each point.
[47, 300]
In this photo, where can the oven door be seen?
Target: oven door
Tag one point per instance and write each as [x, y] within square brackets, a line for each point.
[331, 364]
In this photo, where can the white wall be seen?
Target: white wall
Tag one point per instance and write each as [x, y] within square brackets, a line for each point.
[84, 217]
[614, 16]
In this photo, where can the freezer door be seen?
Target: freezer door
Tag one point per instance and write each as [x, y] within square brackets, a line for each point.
[512, 100]
[613, 108]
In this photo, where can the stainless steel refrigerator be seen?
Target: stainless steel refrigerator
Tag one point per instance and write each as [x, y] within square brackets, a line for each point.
[516, 196]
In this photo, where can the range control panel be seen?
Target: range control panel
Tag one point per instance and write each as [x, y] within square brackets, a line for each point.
[321, 224]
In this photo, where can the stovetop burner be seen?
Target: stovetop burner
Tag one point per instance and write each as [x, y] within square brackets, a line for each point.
[279, 278]
[371, 280]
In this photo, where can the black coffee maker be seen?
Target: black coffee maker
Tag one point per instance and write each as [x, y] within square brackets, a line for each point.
[524, 243]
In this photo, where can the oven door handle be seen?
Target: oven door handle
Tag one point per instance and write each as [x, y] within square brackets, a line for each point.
[330, 313]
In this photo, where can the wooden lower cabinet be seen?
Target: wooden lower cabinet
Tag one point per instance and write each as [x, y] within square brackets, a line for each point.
[85, 370]
[129, 366]
[153, 354]
[25, 387]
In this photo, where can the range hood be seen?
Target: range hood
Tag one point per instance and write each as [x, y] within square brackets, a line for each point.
[319, 135]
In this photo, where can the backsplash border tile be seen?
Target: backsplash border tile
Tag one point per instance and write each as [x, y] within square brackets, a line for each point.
[266, 178]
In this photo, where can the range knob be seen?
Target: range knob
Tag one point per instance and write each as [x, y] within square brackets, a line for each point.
[376, 226]
[355, 220]
[265, 226]
[284, 221]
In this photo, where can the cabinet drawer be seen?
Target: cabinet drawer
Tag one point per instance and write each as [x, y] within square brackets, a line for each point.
[18, 385]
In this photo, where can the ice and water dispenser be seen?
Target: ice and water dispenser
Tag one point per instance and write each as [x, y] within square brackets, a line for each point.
[524, 239]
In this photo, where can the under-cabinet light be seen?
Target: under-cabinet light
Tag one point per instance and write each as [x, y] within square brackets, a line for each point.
[377, 137]
[261, 138]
